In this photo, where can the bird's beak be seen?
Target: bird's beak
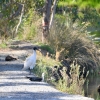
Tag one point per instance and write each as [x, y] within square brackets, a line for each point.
[39, 50]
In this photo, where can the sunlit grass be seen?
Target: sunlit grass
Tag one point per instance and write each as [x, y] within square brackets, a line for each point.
[80, 3]
[3, 45]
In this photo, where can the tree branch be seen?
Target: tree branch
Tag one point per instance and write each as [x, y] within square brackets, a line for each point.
[20, 19]
[52, 13]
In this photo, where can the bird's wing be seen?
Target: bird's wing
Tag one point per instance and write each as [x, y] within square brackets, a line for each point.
[32, 66]
[30, 62]
[28, 58]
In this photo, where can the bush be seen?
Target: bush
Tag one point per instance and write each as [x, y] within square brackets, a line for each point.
[3, 45]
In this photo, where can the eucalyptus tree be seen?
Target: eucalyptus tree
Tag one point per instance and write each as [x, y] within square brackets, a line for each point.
[10, 10]
[12, 13]
[87, 11]
[75, 14]
[48, 15]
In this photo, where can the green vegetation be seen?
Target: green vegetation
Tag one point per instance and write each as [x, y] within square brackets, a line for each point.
[3, 45]
[72, 36]
[45, 65]
[46, 48]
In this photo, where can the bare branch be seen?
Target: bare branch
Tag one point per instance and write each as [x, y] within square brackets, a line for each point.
[22, 12]
[52, 13]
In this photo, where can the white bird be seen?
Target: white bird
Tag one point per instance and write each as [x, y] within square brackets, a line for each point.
[30, 62]
[43, 77]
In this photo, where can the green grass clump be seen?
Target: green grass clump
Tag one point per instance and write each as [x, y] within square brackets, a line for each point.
[3, 45]
[46, 48]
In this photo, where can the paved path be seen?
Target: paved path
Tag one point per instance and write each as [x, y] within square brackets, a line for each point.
[15, 86]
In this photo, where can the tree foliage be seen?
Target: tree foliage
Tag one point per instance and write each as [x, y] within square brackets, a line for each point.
[11, 13]
[87, 11]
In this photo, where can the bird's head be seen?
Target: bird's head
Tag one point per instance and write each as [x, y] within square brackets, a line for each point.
[36, 48]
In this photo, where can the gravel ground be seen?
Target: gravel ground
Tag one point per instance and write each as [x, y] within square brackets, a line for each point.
[15, 86]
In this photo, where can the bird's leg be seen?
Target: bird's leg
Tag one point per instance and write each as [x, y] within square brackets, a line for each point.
[42, 77]
[30, 71]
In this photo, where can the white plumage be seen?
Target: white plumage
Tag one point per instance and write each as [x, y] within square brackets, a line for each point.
[30, 62]
[43, 77]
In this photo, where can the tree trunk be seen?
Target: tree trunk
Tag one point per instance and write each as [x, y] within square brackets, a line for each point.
[48, 15]
[53, 9]
[20, 19]
[45, 20]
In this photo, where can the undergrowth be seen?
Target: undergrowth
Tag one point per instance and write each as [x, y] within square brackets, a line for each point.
[3, 45]
[45, 65]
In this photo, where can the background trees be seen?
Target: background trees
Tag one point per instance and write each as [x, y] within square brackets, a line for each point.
[11, 12]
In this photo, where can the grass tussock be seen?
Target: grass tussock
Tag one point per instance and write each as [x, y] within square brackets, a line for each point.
[3, 45]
